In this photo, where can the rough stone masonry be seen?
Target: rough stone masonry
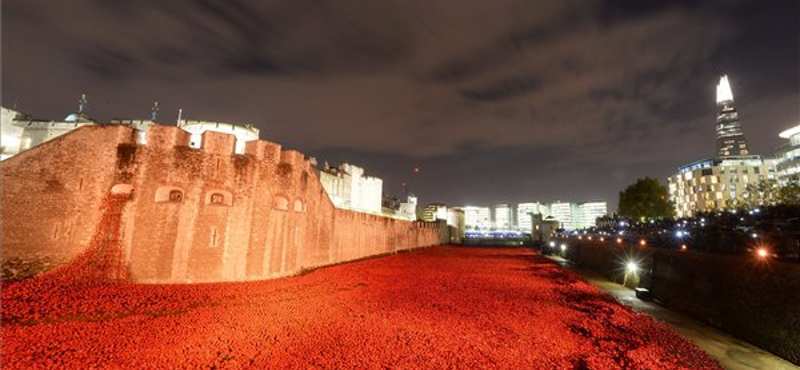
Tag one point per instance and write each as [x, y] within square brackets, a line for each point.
[194, 215]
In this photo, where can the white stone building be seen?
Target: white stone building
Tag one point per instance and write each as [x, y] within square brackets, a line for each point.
[348, 188]
[10, 133]
[243, 133]
[23, 132]
[408, 209]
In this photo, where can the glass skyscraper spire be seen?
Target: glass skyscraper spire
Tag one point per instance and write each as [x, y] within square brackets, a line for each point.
[730, 137]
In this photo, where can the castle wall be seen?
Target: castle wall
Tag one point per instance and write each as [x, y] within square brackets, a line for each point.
[51, 196]
[196, 214]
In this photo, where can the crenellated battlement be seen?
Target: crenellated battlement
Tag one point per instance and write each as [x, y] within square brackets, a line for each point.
[263, 150]
[195, 214]
[162, 137]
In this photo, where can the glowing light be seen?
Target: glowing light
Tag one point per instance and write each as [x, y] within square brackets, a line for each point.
[683, 247]
[619, 240]
[580, 237]
[589, 237]
[642, 242]
[754, 235]
[563, 247]
[602, 239]
[552, 244]
[631, 266]
[724, 92]
[788, 135]
[762, 252]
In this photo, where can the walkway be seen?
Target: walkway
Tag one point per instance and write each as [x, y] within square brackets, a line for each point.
[733, 353]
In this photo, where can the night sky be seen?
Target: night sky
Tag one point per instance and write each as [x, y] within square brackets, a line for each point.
[496, 101]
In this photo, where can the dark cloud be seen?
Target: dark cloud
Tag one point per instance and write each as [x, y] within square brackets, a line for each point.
[501, 90]
[501, 101]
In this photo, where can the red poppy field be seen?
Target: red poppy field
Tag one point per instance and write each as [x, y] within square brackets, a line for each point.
[437, 308]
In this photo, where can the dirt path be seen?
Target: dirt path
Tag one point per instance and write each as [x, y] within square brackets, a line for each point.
[438, 308]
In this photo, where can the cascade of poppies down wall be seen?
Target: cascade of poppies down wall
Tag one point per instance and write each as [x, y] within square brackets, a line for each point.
[195, 215]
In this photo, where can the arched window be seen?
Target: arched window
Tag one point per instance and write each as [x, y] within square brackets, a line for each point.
[169, 194]
[219, 197]
[175, 196]
[281, 203]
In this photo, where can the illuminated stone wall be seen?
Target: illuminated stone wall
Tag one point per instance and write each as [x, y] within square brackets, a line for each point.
[196, 215]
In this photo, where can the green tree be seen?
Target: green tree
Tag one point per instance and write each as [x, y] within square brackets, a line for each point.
[789, 193]
[645, 199]
[762, 193]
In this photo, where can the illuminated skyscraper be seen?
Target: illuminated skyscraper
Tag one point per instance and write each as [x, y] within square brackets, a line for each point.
[504, 217]
[477, 217]
[730, 137]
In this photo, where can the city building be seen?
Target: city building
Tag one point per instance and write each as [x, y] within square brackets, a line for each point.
[435, 211]
[525, 212]
[574, 216]
[504, 217]
[717, 184]
[348, 188]
[788, 156]
[477, 218]
[243, 133]
[730, 136]
[562, 212]
[587, 214]
[721, 183]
